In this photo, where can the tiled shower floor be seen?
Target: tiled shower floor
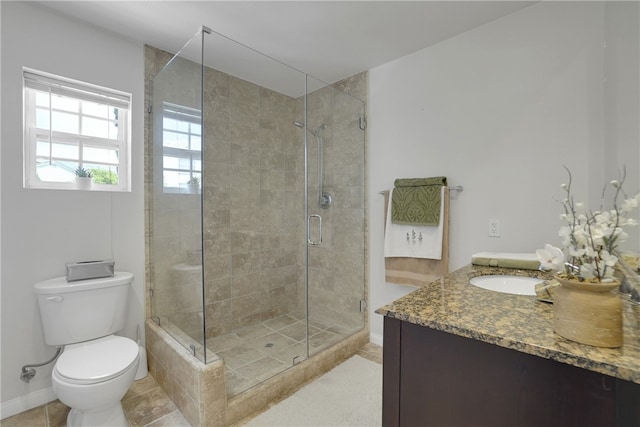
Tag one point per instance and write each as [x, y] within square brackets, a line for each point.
[255, 353]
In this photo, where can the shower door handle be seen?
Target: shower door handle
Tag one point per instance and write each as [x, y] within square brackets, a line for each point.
[319, 241]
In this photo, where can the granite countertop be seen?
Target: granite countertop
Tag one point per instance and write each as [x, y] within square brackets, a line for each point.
[517, 322]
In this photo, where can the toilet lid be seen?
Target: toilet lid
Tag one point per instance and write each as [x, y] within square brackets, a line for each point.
[97, 360]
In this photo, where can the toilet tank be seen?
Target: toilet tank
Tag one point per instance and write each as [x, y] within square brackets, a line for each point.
[79, 311]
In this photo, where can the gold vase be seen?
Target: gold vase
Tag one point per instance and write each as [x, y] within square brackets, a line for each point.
[588, 313]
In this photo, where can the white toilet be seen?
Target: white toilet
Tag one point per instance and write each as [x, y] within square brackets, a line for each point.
[96, 368]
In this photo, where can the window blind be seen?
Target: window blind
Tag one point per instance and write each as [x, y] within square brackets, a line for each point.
[84, 91]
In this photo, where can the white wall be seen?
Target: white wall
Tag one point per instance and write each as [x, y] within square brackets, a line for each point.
[622, 103]
[44, 229]
[498, 110]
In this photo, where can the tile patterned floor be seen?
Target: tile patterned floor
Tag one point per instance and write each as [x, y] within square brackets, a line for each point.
[145, 404]
[256, 353]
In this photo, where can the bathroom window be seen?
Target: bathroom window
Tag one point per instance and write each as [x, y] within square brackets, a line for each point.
[71, 127]
[182, 148]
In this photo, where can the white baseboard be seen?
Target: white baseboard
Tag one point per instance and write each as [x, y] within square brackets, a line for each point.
[376, 339]
[26, 402]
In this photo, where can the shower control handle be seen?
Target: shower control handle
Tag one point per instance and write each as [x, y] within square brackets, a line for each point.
[319, 241]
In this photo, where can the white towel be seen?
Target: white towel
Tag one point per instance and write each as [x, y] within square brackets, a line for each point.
[395, 237]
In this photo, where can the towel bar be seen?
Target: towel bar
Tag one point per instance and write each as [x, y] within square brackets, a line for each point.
[458, 188]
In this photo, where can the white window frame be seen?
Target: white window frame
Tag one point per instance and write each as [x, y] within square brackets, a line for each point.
[188, 115]
[33, 81]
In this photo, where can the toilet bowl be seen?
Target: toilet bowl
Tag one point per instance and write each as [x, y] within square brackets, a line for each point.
[92, 377]
[97, 367]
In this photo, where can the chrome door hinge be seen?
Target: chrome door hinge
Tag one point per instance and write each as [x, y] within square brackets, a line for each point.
[363, 123]
[363, 305]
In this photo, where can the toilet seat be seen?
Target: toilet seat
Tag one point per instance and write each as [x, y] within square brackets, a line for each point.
[96, 361]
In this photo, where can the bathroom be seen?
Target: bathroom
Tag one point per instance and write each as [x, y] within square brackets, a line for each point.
[498, 109]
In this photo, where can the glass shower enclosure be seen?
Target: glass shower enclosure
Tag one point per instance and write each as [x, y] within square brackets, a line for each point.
[257, 209]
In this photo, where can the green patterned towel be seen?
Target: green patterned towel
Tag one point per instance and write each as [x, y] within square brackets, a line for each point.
[417, 201]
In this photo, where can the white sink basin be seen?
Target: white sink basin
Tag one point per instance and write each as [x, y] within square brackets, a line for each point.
[517, 285]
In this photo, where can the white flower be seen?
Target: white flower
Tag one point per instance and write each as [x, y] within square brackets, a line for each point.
[577, 252]
[551, 258]
[590, 252]
[608, 259]
[629, 204]
[587, 271]
[602, 217]
[564, 232]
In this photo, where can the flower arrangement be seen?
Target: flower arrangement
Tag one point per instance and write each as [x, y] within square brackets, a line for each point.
[589, 238]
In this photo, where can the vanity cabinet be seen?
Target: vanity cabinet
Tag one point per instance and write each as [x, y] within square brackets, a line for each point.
[434, 378]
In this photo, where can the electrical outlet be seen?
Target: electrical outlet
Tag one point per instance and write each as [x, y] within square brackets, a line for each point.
[494, 228]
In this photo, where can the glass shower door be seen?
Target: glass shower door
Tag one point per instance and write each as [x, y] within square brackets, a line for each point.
[175, 206]
[335, 215]
[253, 211]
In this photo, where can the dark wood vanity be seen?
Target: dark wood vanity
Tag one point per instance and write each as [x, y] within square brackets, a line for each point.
[457, 355]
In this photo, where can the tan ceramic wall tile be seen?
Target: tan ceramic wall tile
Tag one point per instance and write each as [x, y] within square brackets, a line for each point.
[189, 408]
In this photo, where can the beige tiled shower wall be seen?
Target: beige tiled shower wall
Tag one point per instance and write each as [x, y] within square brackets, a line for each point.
[251, 185]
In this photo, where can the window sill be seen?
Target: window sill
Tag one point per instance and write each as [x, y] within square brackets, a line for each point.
[76, 187]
